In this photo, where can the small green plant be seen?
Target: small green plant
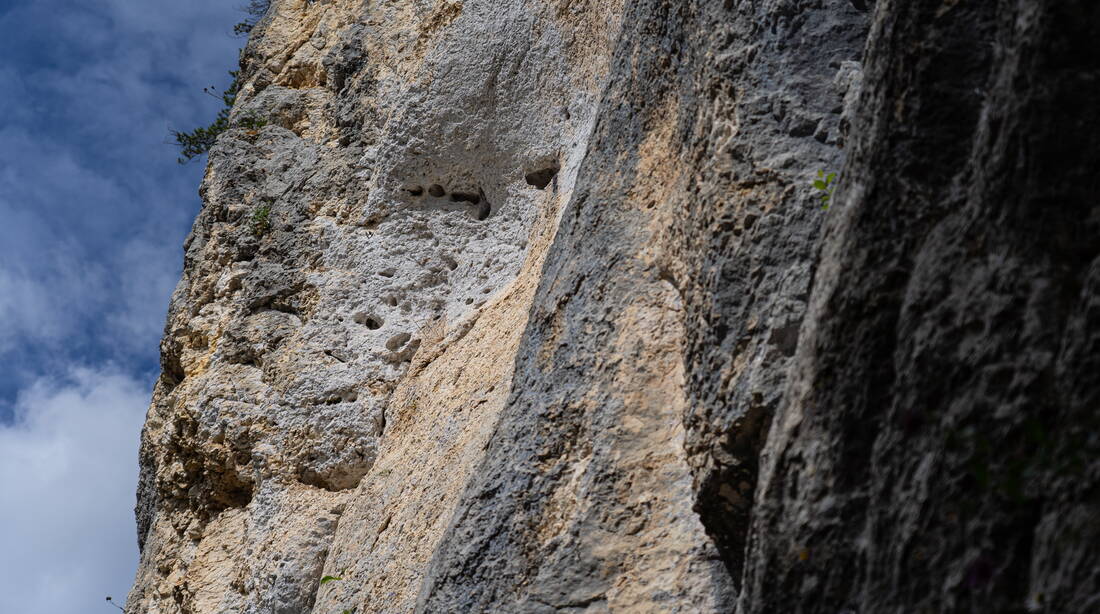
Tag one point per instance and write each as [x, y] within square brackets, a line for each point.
[325, 580]
[251, 122]
[826, 184]
[260, 224]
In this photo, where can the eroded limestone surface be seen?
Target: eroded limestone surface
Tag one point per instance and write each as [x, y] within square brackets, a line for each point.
[415, 161]
[544, 316]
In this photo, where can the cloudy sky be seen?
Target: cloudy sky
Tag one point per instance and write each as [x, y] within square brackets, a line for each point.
[93, 213]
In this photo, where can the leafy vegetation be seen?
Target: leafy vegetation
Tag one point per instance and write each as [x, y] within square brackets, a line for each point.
[261, 223]
[826, 185]
[255, 10]
[199, 141]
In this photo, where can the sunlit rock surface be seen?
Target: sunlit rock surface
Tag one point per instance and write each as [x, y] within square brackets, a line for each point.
[530, 307]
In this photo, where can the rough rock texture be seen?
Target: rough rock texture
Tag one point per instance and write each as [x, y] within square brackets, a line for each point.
[528, 306]
[690, 233]
[409, 152]
[938, 450]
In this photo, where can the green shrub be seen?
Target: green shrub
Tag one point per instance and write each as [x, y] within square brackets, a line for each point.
[826, 184]
[251, 122]
[255, 11]
[199, 141]
[261, 223]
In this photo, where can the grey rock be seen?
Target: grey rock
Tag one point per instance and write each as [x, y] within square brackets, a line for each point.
[547, 317]
[931, 452]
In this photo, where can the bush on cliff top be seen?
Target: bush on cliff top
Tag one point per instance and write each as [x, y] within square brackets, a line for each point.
[199, 141]
[255, 10]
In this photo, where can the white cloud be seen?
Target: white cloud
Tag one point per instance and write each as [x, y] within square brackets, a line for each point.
[22, 305]
[94, 206]
[68, 473]
[139, 315]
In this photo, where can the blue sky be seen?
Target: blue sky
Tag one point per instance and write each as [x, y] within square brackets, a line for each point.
[93, 213]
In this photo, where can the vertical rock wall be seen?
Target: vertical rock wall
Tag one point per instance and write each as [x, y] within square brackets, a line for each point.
[413, 162]
[937, 451]
[527, 306]
[618, 480]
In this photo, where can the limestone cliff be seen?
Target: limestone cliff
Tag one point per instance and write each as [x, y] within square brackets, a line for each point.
[528, 306]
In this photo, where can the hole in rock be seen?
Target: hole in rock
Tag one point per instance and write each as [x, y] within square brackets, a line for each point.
[465, 197]
[388, 272]
[415, 191]
[331, 481]
[237, 496]
[398, 341]
[542, 178]
[436, 190]
[371, 322]
[481, 212]
[391, 301]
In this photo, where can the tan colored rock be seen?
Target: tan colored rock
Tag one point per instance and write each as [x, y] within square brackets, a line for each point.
[533, 289]
[309, 370]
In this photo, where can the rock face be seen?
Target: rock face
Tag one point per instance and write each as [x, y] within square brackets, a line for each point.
[937, 448]
[529, 307]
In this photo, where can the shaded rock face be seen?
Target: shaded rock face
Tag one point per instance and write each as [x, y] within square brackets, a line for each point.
[521, 306]
[936, 450]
